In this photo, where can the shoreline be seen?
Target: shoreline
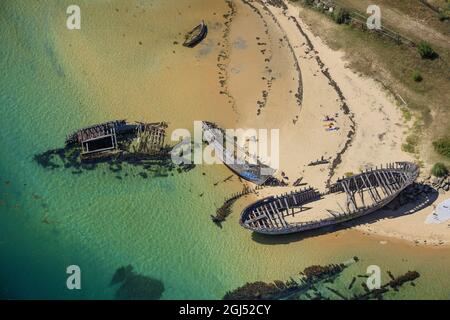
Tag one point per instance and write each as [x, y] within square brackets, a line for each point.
[377, 224]
[412, 228]
[162, 226]
[368, 92]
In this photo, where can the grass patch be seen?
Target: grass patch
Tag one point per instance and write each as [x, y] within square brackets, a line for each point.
[442, 146]
[408, 148]
[426, 51]
[443, 17]
[417, 77]
[349, 174]
[412, 141]
[407, 115]
[439, 170]
[341, 16]
[394, 65]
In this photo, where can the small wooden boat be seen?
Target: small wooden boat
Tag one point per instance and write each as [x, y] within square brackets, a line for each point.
[195, 36]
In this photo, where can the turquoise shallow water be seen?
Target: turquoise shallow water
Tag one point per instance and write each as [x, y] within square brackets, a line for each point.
[161, 226]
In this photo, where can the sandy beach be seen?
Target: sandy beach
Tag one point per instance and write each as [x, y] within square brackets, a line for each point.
[371, 127]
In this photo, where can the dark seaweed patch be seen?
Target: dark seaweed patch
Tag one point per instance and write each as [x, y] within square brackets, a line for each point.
[316, 281]
[135, 286]
[156, 165]
[121, 274]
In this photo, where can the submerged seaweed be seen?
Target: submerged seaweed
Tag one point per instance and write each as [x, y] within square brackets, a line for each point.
[279, 290]
[121, 274]
[70, 158]
[254, 291]
[315, 282]
[135, 286]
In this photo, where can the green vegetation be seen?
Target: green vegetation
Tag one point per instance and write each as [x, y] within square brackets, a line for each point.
[407, 115]
[417, 77]
[393, 64]
[411, 144]
[443, 16]
[426, 51]
[442, 146]
[408, 148]
[341, 16]
[349, 174]
[439, 170]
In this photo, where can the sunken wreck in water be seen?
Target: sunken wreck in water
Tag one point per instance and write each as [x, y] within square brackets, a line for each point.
[347, 199]
[117, 137]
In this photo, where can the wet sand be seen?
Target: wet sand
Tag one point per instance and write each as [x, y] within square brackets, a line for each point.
[132, 63]
[291, 101]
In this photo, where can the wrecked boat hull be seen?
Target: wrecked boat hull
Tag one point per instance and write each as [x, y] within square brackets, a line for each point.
[257, 173]
[271, 215]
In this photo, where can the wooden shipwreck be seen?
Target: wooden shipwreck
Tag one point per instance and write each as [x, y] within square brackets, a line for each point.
[196, 35]
[237, 159]
[347, 199]
[115, 137]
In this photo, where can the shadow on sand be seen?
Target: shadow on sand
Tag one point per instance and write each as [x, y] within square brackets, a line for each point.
[409, 201]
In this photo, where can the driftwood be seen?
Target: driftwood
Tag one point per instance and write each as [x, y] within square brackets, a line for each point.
[319, 162]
